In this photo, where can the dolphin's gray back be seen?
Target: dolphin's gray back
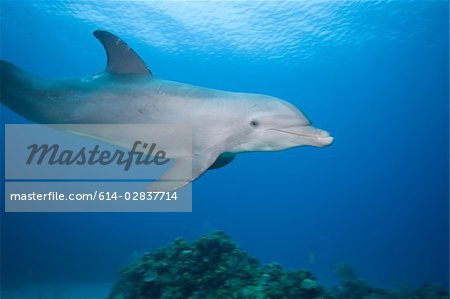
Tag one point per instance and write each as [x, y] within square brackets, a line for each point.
[126, 92]
[51, 101]
[102, 98]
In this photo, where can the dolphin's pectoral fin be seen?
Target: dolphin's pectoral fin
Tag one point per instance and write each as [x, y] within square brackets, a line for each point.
[223, 160]
[121, 58]
[176, 177]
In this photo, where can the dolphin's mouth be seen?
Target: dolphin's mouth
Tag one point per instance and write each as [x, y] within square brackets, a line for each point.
[318, 136]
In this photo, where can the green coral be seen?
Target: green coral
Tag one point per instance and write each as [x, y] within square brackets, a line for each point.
[211, 267]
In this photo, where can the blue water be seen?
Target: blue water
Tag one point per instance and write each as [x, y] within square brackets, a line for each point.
[372, 73]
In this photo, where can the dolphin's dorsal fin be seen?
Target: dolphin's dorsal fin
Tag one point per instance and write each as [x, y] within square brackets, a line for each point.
[121, 58]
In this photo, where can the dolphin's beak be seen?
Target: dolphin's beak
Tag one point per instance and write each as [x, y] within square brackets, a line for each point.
[313, 136]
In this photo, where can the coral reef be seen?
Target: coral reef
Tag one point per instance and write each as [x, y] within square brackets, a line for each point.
[213, 267]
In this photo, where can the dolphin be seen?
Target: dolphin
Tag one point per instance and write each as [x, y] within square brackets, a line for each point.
[223, 123]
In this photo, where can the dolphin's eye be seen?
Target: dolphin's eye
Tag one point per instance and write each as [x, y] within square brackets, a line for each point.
[254, 123]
